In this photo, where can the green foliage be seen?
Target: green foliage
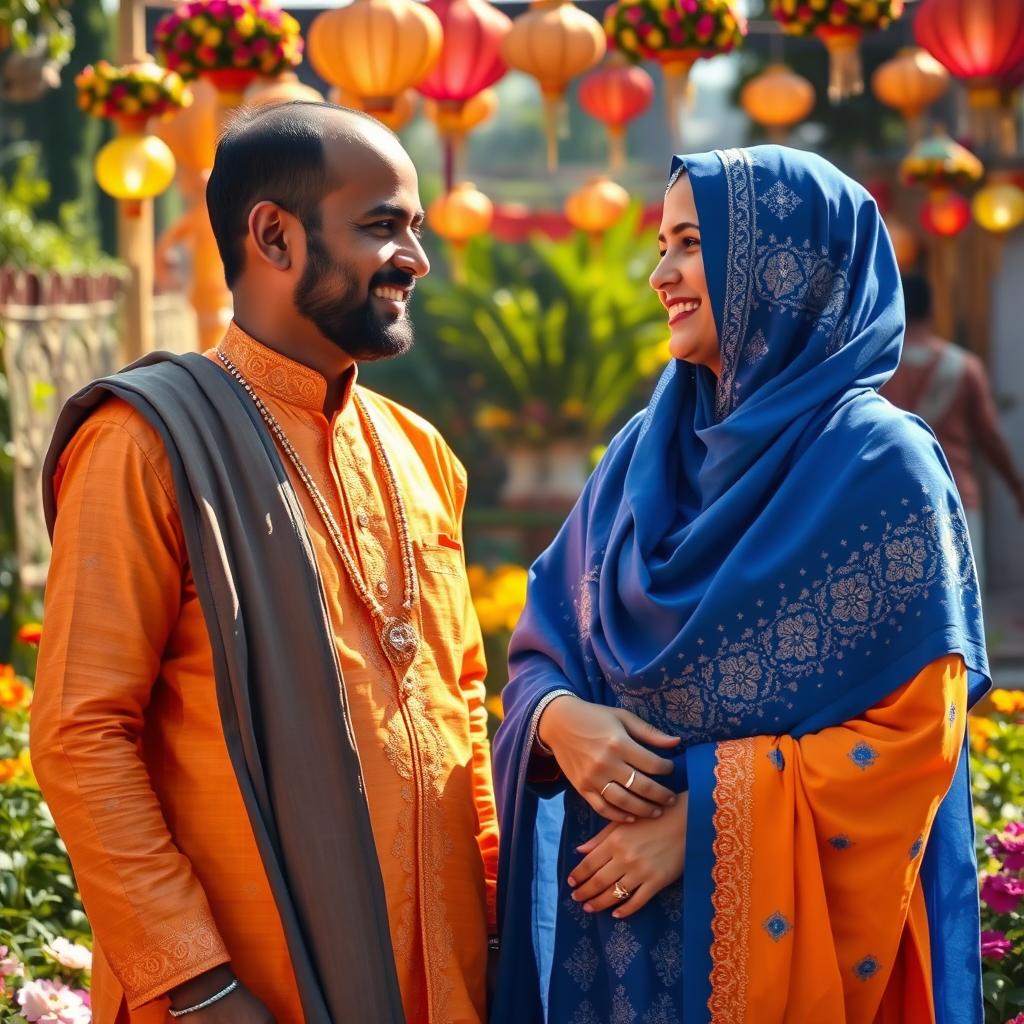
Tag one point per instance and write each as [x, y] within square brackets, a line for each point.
[27, 20]
[29, 243]
[555, 338]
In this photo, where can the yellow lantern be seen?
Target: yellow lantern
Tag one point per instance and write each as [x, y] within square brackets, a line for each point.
[777, 99]
[597, 206]
[286, 88]
[458, 216]
[999, 207]
[397, 117]
[134, 167]
[192, 133]
[375, 49]
[554, 41]
[910, 82]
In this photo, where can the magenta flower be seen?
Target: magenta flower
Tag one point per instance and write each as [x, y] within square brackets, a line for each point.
[995, 945]
[635, 15]
[705, 26]
[1019, 1019]
[1002, 893]
[690, 6]
[1008, 846]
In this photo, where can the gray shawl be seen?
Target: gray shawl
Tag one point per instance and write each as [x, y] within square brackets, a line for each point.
[279, 685]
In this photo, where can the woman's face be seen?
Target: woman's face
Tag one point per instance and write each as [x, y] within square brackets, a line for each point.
[680, 282]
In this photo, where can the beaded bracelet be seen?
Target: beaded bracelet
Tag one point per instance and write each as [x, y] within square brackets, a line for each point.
[216, 998]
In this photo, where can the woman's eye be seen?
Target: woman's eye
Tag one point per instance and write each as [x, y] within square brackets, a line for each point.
[690, 242]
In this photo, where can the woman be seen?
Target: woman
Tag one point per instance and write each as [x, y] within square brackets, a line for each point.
[732, 775]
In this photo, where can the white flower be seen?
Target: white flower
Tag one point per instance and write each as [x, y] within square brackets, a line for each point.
[48, 1002]
[69, 955]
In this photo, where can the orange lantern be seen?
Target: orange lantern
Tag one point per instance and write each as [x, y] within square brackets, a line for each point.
[375, 49]
[999, 207]
[458, 216]
[597, 206]
[456, 119]
[904, 244]
[777, 99]
[396, 118]
[615, 94]
[910, 82]
[285, 88]
[945, 213]
[192, 132]
[554, 41]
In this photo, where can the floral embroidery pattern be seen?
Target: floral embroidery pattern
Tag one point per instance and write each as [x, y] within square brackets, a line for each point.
[621, 949]
[851, 598]
[906, 560]
[585, 603]
[777, 926]
[867, 968]
[863, 756]
[732, 846]
[668, 958]
[780, 200]
[740, 676]
[622, 1008]
[585, 1014]
[582, 965]
[798, 637]
[802, 280]
[663, 1011]
[756, 349]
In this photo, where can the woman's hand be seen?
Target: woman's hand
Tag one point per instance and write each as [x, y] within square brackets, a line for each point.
[641, 858]
[598, 751]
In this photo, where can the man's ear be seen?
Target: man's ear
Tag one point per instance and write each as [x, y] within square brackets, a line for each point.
[272, 233]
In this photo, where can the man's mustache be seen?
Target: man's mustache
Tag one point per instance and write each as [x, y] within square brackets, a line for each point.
[394, 279]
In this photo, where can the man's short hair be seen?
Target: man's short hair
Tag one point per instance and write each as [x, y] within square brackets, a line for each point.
[274, 154]
[917, 297]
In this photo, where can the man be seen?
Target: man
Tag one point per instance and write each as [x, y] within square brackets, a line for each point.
[259, 715]
[948, 388]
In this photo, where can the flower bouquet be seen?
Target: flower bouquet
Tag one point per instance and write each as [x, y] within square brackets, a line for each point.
[229, 42]
[134, 92]
[839, 24]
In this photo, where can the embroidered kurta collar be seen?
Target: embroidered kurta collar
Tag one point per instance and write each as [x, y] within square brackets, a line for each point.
[277, 375]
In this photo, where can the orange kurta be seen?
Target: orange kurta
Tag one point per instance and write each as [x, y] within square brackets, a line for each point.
[127, 740]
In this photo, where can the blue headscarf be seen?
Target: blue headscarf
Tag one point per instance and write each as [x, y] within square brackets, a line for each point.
[775, 550]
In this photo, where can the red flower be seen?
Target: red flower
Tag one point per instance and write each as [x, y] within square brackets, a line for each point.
[31, 632]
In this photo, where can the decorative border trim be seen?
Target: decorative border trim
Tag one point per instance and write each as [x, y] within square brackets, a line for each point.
[731, 900]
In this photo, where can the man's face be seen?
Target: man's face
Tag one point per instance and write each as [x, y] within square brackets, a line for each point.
[364, 257]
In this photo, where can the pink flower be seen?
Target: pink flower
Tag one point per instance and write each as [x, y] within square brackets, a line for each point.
[690, 6]
[670, 16]
[219, 8]
[995, 945]
[840, 9]
[233, 37]
[260, 46]
[48, 1002]
[1002, 893]
[805, 13]
[10, 965]
[705, 26]
[183, 42]
[242, 55]
[1019, 1019]
[118, 92]
[1008, 846]
[677, 34]
[635, 15]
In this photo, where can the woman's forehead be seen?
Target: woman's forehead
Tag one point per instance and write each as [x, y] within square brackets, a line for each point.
[679, 205]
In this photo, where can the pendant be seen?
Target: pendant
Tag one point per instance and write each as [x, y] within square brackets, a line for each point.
[399, 641]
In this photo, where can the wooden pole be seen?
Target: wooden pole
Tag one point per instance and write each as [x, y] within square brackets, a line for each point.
[135, 221]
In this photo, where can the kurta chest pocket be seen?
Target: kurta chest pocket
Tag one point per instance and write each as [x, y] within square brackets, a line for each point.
[443, 591]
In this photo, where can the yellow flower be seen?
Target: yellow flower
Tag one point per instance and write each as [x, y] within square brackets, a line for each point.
[491, 417]
[14, 694]
[490, 613]
[213, 36]
[660, 5]
[493, 704]
[628, 39]
[246, 24]
[981, 730]
[869, 10]
[1008, 702]
[818, 5]
[197, 24]
[655, 38]
[130, 105]
[102, 87]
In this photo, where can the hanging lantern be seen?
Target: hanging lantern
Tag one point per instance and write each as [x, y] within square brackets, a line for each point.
[192, 132]
[400, 114]
[286, 88]
[454, 122]
[910, 82]
[981, 42]
[597, 206]
[459, 216]
[554, 41]
[375, 49]
[134, 167]
[777, 99]
[945, 213]
[941, 163]
[904, 243]
[999, 207]
[676, 34]
[840, 26]
[615, 94]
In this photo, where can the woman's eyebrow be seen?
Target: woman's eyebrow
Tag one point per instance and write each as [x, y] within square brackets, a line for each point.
[679, 228]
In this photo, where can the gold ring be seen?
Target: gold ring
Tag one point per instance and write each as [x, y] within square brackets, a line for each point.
[631, 779]
[619, 893]
[605, 786]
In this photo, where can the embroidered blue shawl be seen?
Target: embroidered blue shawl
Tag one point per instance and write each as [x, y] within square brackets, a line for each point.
[771, 552]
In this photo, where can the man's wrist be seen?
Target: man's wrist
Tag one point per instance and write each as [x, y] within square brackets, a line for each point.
[201, 987]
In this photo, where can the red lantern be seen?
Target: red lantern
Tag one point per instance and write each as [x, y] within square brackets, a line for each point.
[980, 42]
[945, 213]
[470, 62]
[614, 95]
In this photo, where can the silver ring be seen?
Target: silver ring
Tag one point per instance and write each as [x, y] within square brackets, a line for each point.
[631, 779]
[605, 786]
[619, 893]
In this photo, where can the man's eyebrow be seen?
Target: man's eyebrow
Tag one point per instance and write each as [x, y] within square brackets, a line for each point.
[394, 210]
[680, 228]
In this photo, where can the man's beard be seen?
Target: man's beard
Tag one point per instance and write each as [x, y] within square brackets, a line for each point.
[328, 295]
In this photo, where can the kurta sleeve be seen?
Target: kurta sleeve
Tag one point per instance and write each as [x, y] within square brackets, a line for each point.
[112, 598]
[816, 847]
[474, 672]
